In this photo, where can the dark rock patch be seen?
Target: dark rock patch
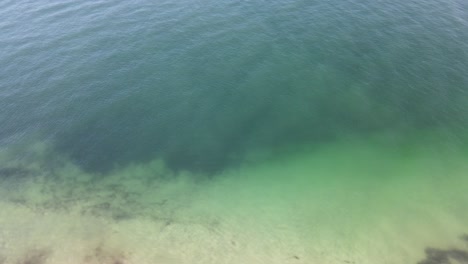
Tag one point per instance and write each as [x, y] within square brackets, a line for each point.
[440, 256]
[435, 256]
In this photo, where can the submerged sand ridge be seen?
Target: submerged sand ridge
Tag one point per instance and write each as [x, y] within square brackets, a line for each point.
[356, 201]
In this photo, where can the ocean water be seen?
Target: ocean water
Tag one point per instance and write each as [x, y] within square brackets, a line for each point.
[234, 131]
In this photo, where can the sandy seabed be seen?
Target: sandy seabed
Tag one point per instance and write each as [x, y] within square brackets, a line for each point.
[355, 202]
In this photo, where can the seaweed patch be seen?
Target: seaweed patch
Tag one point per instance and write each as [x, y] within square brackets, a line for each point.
[441, 256]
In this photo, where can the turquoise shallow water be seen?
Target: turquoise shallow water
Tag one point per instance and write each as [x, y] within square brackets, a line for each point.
[295, 116]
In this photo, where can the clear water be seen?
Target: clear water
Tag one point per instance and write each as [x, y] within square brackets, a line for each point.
[233, 132]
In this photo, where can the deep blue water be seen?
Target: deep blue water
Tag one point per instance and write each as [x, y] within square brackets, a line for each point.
[201, 83]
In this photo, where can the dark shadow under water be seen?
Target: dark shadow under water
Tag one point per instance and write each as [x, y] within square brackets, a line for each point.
[217, 131]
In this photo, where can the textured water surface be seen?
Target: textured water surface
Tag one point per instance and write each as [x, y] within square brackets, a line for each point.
[200, 83]
[244, 131]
